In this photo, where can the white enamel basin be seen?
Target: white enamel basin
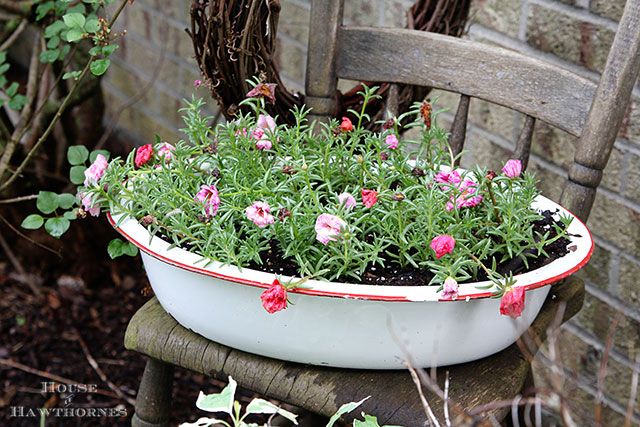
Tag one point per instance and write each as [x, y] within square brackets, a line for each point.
[341, 324]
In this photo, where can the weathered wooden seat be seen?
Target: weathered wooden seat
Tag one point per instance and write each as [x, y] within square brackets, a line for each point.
[539, 90]
[321, 390]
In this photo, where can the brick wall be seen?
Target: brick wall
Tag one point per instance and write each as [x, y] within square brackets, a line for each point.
[575, 34]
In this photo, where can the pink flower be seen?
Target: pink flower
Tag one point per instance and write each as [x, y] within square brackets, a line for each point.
[392, 141]
[259, 214]
[450, 289]
[208, 194]
[241, 132]
[347, 200]
[512, 302]
[262, 143]
[451, 177]
[369, 197]
[443, 245]
[266, 122]
[466, 198]
[94, 172]
[346, 125]
[88, 205]
[328, 228]
[165, 151]
[197, 83]
[274, 298]
[513, 168]
[143, 155]
[264, 90]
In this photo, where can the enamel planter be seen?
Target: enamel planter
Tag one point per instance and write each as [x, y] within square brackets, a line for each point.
[340, 324]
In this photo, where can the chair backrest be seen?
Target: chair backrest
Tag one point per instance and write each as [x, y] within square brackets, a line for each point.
[538, 89]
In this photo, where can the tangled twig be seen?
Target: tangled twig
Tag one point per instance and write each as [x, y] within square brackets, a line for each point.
[234, 40]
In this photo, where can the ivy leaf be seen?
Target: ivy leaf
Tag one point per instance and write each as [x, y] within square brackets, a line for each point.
[109, 49]
[94, 154]
[76, 174]
[47, 202]
[92, 26]
[49, 56]
[118, 247]
[71, 215]
[54, 29]
[56, 227]
[71, 75]
[32, 222]
[73, 35]
[74, 20]
[218, 402]
[12, 90]
[53, 42]
[77, 154]
[100, 66]
[66, 200]
[344, 409]
[17, 102]
[43, 9]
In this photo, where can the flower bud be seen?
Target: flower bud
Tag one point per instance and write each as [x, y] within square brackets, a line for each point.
[490, 175]
[398, 197]
[384, 156]
[289, 170]
[359, 159]
[148, 220]
[418, 172]
[283, 213]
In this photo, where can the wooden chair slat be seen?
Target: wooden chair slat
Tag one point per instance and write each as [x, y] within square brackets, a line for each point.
[321, 79]
[459, 126]
[523, 145]
[504, 77]
[606, 114]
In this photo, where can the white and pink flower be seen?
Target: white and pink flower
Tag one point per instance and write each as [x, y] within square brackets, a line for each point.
[208, 195]
[329, 228]
[347, 200]
[94, 172]
[260, 214]
[391, 141]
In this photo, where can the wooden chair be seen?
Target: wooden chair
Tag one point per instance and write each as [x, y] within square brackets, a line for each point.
[539, 90]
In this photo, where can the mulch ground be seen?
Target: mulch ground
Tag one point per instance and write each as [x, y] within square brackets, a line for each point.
[78, 321]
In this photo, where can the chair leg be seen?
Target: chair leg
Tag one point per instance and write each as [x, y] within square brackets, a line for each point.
[153, 403]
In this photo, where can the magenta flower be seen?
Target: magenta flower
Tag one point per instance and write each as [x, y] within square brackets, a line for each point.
[451, 177]
[197, 83]
[443, 245]
[259, 214]
[328, 228]
[143, 155]
[264, 90]
[274, 298]
[513, 168]
[208, 194]
[369, 197]
[512, 302]
[392, 141]
[88, 205]
[450, 289]
[262, 142]
[347, 200]
[165, 151]
[467, 197]
[94, 172]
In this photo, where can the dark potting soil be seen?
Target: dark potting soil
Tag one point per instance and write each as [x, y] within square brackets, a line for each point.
[274, 262]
